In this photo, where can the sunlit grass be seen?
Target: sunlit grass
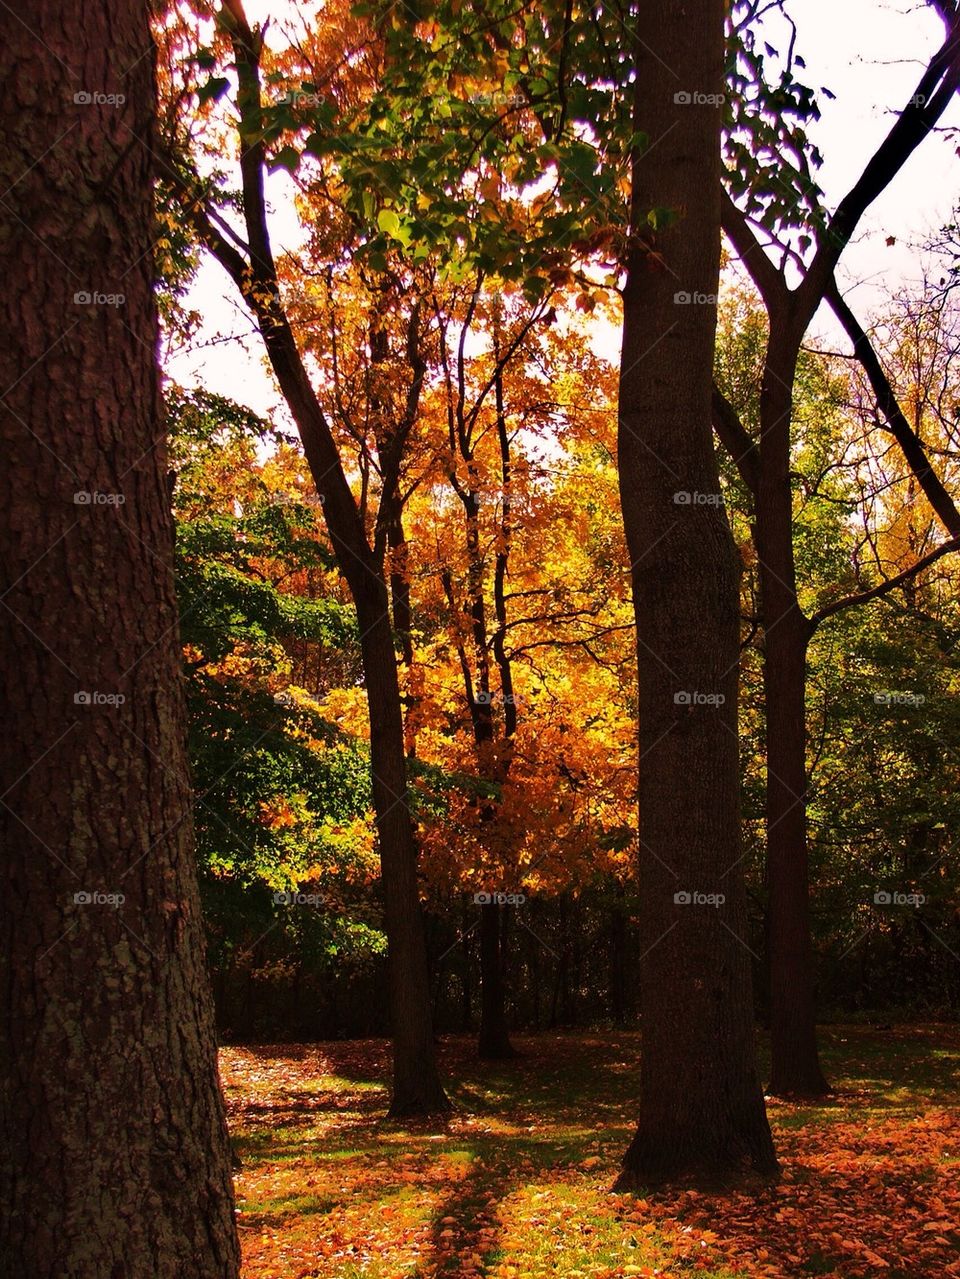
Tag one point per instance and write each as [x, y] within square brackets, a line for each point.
[516, 1183]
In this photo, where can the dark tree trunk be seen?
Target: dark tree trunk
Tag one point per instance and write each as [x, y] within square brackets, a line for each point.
[400, 584]
[534, 969]
[416, 1081]
[466, 989]
[115, 1159]
[560, 1000]
[796, 1069]
[795, 1065]
[494, 1040]
[618, 946]
[701, 1107]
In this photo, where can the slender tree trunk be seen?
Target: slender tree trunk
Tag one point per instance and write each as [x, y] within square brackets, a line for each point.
[701, 1107]
[795, 1065]
[560, 999]
[416, 1081]
[466, 990]
[494, 1040]
[115, 1159]
[618, 943]
[415, 1071]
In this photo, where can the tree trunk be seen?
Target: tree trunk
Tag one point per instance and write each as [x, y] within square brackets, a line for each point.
[466, 991]
[701, 1108]
[494, 1041]
[416, 1081]
[115, 1158]
[795, 1065]
[415, 1071]
[618, 945]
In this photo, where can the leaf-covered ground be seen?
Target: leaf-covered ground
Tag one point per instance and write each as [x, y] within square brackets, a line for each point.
[517, 1183]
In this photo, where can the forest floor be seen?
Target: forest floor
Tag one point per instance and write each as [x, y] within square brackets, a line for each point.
[517, 1182]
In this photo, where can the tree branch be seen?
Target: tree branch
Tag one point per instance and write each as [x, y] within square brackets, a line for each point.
[851, 601]
[928, 102]
[770, 283]
[263, 295]
[900, 428]
[736, 440]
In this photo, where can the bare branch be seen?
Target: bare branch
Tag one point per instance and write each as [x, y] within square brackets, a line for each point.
[900, 428]
[851, 601]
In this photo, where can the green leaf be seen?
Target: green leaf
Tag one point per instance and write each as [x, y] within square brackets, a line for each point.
[213, 90]
[288, 158]
[388, 222]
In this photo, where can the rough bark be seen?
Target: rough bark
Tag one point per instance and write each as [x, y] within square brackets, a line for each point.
[115, 1158]
[794, 1053]
[701, 1108]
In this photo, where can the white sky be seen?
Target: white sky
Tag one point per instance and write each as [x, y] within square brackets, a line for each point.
[870, 54]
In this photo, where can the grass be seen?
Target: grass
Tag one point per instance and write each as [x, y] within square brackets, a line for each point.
[516, 1183]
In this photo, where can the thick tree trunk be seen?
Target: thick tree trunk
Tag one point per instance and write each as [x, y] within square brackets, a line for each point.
[795, 1066]
[494, 1040]
[416, 1081]
[701, 1107]
[115, 1159]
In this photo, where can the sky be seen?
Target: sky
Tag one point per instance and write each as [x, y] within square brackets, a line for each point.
[870, 54]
